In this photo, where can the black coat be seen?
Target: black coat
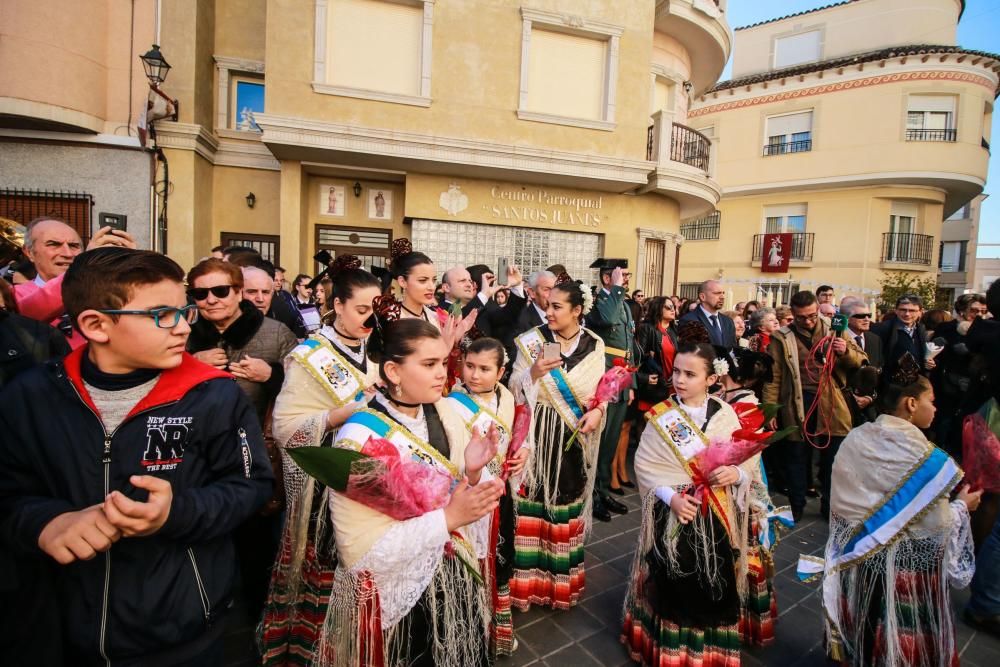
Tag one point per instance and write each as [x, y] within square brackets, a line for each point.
[649, 344]
[896, 343]
[25, 343]
[195, 429]
[727, 339]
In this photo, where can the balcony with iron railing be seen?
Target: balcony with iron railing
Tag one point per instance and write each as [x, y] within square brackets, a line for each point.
[801, 146]
[801, 250]
[702, 229]
[687, 146]
[681, 158]
[907, 251]
[931, 135]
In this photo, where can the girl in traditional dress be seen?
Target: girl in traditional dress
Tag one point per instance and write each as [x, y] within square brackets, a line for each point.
[897, 541]
[555, 513]
[760, 609]
[690, 568]
[415, 276]
[328, 377]
[409, 591]
[481, 401]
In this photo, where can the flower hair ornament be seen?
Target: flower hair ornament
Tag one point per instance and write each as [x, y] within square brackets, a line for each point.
[588, 298]
[720, 366]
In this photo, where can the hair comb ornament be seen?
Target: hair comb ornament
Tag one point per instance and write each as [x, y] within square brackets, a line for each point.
[563, 278]
[399, 248]
[343, 263]
[693, 332]
[906, 372]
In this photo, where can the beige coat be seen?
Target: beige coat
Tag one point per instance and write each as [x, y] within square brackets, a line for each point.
[786, 386]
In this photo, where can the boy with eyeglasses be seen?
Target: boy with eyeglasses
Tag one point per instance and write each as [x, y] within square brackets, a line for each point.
[130, 463]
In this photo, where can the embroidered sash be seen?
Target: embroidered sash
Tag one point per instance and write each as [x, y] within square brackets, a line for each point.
[477, 416]
[340, 378]
[368, 423]
[556, 385]
[685, 441]
[933, 478]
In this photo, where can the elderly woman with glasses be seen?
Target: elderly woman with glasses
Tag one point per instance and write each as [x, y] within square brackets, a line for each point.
[234, 335]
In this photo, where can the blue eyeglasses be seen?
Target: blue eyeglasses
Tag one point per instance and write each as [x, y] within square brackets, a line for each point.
[164, 318]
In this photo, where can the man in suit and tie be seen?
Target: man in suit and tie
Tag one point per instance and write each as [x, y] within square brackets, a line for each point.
[721, 329]
[495, 320]
[859, 323]
[540, 283]
[611, 319]
[457, 286]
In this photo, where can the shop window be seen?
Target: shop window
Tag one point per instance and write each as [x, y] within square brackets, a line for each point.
[804, 47]
[569, 70]
[375, 49]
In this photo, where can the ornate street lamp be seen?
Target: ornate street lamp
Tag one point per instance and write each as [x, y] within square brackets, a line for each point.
[156, 66]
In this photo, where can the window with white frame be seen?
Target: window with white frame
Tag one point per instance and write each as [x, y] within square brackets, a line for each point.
[788, 133]
[790, 219]
[930, 118]
[952, 257]
[240, 94]
[803, 47]
[569, 70]
[374, 49]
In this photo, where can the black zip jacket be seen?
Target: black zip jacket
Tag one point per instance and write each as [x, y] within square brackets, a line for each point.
[147, 597]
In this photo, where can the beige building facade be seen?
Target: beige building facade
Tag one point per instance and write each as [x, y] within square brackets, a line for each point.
[543, 131]
[858, 128]
[72, 92]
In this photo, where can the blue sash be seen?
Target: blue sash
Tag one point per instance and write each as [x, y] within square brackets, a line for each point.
[564, 389]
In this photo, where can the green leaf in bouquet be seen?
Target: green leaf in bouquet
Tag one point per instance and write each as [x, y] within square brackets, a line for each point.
[329, 465]
[781, 435]
[770, 410]
[456, 310]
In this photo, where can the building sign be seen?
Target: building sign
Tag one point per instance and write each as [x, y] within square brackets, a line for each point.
[777, 252]
[539, 205]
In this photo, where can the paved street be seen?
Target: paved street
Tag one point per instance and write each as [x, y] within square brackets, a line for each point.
[587, 635]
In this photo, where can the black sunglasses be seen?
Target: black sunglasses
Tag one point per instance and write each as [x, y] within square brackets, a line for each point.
[201, 293]
[861, 316]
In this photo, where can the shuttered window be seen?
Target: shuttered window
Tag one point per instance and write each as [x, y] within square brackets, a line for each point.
[374, 45]
[566, 75]
[797, 49]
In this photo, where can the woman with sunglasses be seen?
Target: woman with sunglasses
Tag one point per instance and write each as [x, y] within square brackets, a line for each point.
[328, 377]
[233, 335]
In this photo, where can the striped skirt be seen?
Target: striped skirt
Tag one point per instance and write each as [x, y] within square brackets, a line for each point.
[658, 642]
[760, 610]
[549, 555]
[291, 627]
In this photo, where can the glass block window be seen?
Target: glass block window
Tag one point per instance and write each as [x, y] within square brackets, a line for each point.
[464, 244]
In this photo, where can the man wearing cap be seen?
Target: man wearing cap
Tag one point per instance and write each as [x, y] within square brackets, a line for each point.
[612, 320]
[903, 333]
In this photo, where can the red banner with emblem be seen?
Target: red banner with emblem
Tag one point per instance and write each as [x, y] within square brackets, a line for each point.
[775, 253]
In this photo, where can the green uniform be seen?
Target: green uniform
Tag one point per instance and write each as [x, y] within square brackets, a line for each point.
[611, 319]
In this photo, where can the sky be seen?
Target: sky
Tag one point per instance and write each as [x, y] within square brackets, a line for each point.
[979, 29]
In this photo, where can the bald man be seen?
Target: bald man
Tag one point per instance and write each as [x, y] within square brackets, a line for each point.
[711, 299]
[457, 286]
[52, 245]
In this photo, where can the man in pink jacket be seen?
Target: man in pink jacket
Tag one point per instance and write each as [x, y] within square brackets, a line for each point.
[53, 245]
